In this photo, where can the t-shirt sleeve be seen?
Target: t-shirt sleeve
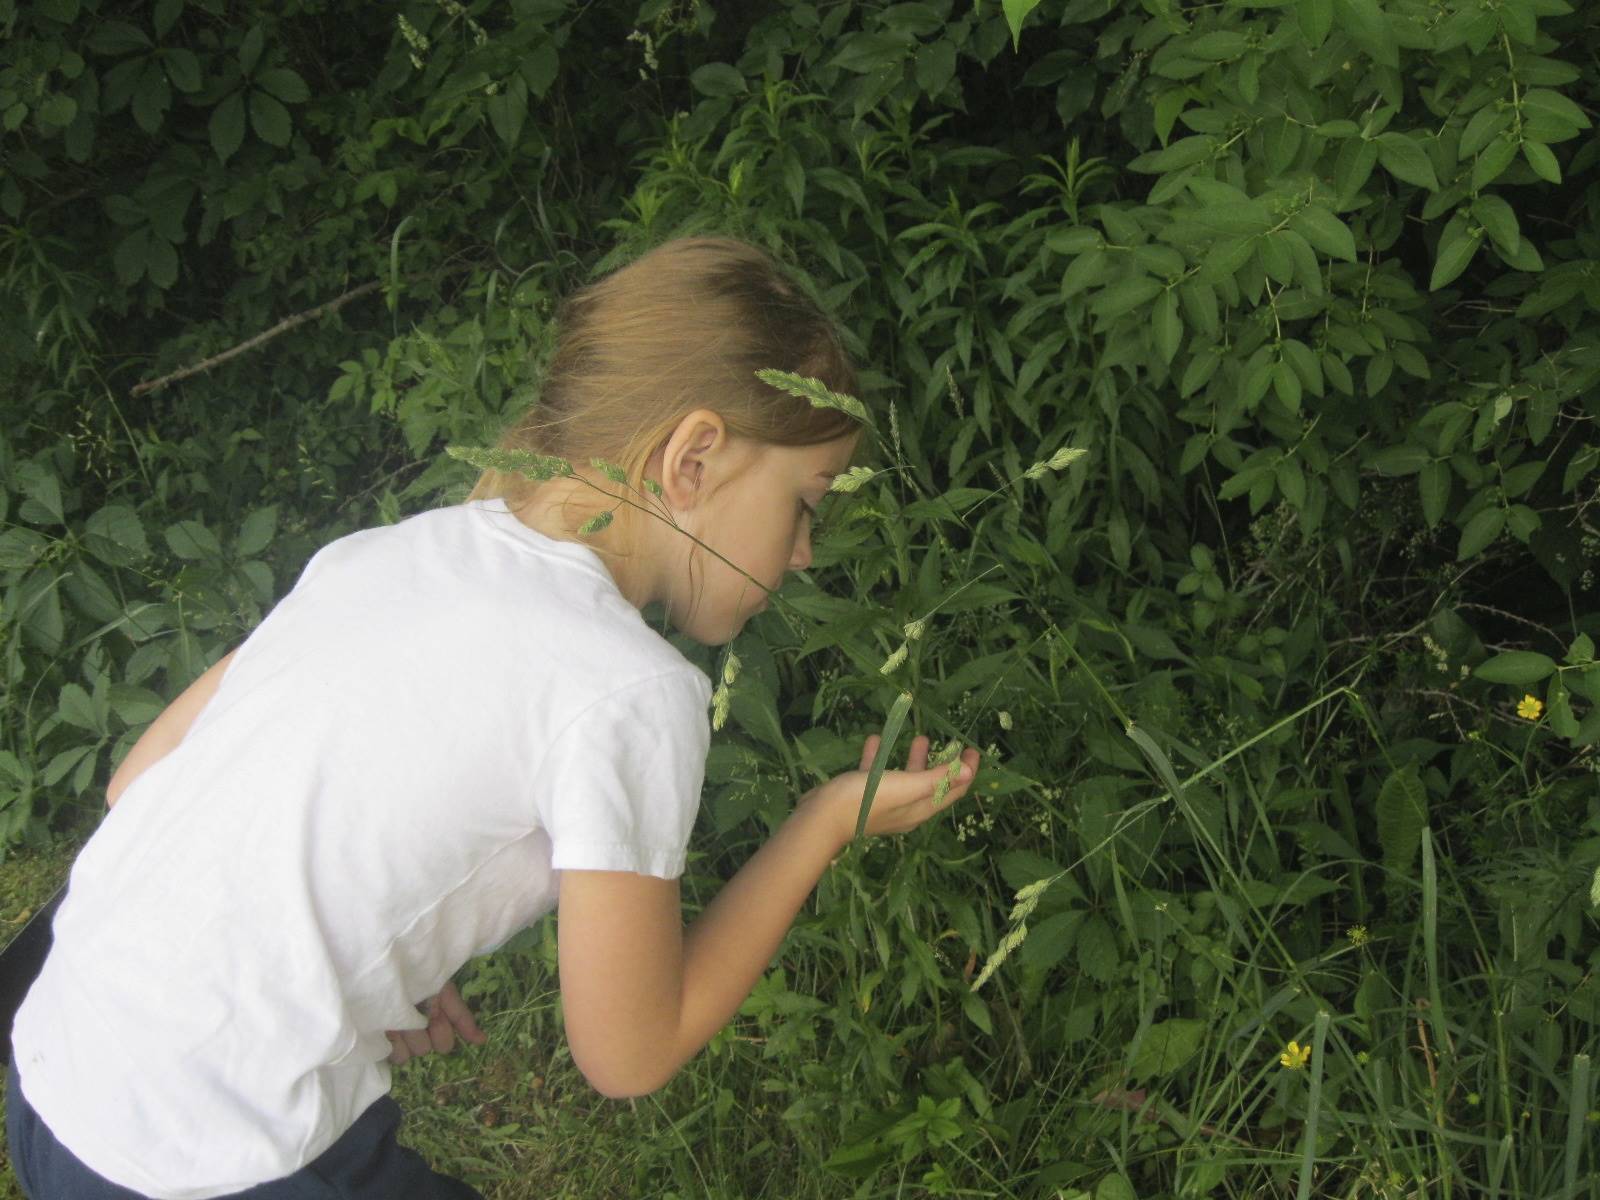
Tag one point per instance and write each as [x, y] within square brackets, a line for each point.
[621, 784]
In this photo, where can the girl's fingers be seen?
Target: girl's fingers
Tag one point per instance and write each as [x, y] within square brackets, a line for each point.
[398, 1054]
[917, 760]
[869, 751]
[441, 1037]
[459, 1015]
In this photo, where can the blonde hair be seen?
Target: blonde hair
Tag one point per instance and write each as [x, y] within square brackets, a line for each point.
[684, 326]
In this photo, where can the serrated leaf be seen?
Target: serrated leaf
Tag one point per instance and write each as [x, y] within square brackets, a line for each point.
[115, 536]
[1402, 811]
[193, 541]
[1167, 1047]
[256, 532]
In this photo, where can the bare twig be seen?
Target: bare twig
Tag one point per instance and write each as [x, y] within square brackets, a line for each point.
[282, 326]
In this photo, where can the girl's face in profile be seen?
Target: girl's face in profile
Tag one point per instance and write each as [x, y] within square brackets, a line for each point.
[761, 521]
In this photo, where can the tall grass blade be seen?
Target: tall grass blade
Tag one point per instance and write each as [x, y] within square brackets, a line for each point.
[1577, 1113]
[891, 730]
[1308, 1155]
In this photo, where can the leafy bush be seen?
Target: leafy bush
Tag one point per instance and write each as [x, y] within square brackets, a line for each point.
[1279, 875]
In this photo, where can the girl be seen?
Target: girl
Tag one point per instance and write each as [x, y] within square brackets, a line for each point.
[446, 727]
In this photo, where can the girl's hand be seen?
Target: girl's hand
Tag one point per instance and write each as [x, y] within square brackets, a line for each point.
[448, 1015]
[904, 799]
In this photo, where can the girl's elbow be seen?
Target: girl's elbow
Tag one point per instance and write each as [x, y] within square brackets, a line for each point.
[618, 1083]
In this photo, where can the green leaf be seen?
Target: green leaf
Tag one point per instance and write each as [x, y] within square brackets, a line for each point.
[117, 37]
[151, 98]
[115, 536]
[1434, 484]
[250, 49]
[58, 110]
[284, 84]
[1485, 123]
[77, 709]
[718, 79]
[1353, 168]
[1167, 1047]
[1499, 221]
[1543, 161]
[1325, 231]
[193, 541]
[1402, 811]
[1316, 20]
[1519, 667]
[1457, 246]
[1124, 296]
[1492, 162]
[1480, 531]
[129, 256]
[161, 261]
[269, 119]
[508, 110]
[1166, 326]
[1581, 651]
[1406, 160]
[183, 69]
[256, 532]
[227, 127]
[1365, 22]
[166, 16]
[1016, 11]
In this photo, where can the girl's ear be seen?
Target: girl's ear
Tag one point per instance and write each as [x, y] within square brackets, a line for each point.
[698, 439]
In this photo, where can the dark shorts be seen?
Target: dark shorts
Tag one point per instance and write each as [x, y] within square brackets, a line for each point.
[366, 1163]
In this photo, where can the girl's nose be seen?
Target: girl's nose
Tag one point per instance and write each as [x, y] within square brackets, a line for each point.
[801, 558]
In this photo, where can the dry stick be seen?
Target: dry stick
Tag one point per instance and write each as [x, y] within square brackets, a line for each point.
[282, 326]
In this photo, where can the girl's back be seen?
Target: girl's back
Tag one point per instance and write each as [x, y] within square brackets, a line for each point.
[370, 798]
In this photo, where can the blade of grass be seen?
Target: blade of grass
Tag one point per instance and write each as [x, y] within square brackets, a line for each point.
[891, 730]
[1577, 1113]
[1308, 1156]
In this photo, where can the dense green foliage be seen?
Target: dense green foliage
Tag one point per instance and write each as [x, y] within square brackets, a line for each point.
[1287, 688]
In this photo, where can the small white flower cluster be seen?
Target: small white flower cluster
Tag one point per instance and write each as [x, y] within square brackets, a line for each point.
[971, 823]
[415, 38]
[1440, 656]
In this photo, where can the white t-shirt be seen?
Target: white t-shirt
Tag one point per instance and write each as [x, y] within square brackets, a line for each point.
[440, 717]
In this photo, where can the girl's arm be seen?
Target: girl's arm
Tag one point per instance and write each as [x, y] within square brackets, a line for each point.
[167, 730]
[642, 995]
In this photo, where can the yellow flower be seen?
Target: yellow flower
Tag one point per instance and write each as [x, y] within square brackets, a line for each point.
[1294, 1056]
[1530, 708]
